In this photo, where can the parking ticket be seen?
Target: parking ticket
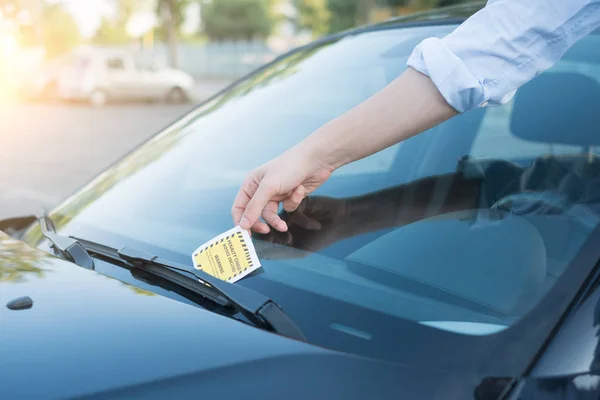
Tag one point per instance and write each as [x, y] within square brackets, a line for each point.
[229, 256]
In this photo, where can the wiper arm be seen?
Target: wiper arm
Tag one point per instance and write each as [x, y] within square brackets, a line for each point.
[256, 307]
[67, 247]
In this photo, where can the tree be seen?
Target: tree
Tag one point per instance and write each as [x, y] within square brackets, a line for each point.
[313, 15]
[176, 9]
[171, 16]
[60, 31]
[20, 262]
[113, 30]
[30, 31]
[237, 19]
[343, 14]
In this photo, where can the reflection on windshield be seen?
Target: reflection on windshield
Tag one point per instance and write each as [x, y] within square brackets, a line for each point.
[139, 291]
[321, 221]
[213, 136]
[498, 258]
[19, 262]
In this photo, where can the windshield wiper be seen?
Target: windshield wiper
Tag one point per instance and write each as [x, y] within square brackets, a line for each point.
[66, 247]
[260, 310]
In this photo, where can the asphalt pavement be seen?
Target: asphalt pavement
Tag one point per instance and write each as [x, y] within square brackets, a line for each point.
[48, 151]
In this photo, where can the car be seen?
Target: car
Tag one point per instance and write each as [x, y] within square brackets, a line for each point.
[459, 264]
[98, 75]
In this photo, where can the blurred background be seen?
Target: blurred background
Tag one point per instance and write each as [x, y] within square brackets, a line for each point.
[58, 129]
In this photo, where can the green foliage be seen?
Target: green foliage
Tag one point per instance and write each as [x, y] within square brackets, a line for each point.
[421, 4]
[444, 3]
[177, 9]
[343, 14]
[424, 3]
[51, 25]
[111, 32]
[313, 15]
[346, 14]
[60, 31]
[237, 19]
[19, 262]
[395, 3]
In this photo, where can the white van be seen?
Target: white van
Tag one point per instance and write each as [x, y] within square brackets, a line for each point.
[100, 75]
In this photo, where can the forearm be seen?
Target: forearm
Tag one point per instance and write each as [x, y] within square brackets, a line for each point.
[410, 105]
[405, 204]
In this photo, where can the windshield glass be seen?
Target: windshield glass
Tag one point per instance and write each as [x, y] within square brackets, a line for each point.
[451, 237]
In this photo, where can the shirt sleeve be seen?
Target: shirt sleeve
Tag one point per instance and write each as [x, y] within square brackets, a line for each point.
[502, 47]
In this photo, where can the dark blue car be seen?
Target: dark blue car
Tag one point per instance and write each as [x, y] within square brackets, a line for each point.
[460, 264]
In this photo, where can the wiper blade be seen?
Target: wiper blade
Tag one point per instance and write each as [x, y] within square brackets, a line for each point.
[259, 309]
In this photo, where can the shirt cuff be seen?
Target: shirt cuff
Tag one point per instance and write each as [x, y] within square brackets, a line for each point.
[461, 89]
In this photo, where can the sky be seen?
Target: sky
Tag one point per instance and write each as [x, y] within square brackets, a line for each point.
[87, 13]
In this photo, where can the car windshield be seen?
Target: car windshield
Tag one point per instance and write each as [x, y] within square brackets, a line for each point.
[450, 239]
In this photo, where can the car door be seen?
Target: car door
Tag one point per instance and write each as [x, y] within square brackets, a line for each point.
[163, 79]
[118, 76]
[149, 80]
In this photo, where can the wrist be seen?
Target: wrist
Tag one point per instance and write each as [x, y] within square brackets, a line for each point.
[325, 150]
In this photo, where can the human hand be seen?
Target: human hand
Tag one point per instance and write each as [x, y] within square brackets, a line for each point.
[288, 178]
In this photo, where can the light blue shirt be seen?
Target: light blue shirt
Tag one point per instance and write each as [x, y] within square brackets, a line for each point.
[502, 47]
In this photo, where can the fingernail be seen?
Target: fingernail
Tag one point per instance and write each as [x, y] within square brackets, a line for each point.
[283, 227]
[245, 223]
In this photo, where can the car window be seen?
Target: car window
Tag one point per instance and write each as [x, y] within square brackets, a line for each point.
[495, 139]
[456, 235]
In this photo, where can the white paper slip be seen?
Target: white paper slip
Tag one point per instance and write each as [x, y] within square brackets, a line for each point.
[229, 256]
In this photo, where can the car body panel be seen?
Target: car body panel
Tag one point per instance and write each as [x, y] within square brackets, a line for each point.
[90, 334]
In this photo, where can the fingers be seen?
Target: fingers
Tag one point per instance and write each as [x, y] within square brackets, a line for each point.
[255, 205]
[272, 218]
[261, 227]
[242, 199]
[258, 197]
[292, 202]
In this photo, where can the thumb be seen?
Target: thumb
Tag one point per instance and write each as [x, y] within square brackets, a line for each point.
[256, 205]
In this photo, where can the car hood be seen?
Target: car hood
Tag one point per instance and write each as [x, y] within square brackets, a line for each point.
[88, 334]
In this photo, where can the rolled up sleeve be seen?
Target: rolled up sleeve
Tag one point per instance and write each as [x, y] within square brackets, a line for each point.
[502, 47]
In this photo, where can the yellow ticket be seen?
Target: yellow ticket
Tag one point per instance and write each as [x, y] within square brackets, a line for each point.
[229, 256]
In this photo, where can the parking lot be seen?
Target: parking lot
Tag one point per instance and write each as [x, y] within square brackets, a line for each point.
[48, 151]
